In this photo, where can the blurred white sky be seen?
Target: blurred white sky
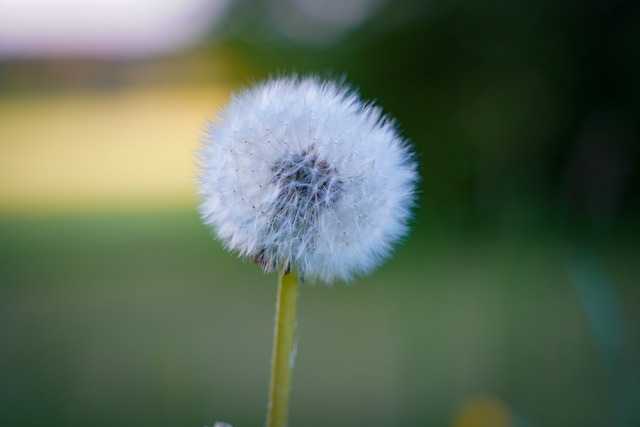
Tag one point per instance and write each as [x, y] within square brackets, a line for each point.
[104, 28]
[134, 28]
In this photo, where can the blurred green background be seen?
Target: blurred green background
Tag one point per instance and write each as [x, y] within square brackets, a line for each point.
[515, 301]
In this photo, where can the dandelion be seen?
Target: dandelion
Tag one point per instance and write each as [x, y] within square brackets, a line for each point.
[304, 177]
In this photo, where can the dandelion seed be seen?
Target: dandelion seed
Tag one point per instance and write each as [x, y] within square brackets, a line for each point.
[304, 175]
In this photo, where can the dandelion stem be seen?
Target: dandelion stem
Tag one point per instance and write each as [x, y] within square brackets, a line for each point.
[283, 349]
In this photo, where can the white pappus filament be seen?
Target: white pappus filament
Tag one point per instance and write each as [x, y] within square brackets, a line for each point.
[300, 173]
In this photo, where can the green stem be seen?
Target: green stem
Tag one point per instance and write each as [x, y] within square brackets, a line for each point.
[283, 343]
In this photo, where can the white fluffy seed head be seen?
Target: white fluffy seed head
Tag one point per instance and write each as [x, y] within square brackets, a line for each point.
[300, 173]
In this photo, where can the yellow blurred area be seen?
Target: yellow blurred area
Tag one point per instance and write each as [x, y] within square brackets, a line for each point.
[107, 150]
[482, 411]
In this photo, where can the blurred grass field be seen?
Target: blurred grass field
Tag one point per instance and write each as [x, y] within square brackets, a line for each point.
[141, 319]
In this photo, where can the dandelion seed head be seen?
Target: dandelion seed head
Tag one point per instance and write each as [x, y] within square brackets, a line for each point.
[303, 174]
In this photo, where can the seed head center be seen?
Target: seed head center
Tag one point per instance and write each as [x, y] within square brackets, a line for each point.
[306, 183]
